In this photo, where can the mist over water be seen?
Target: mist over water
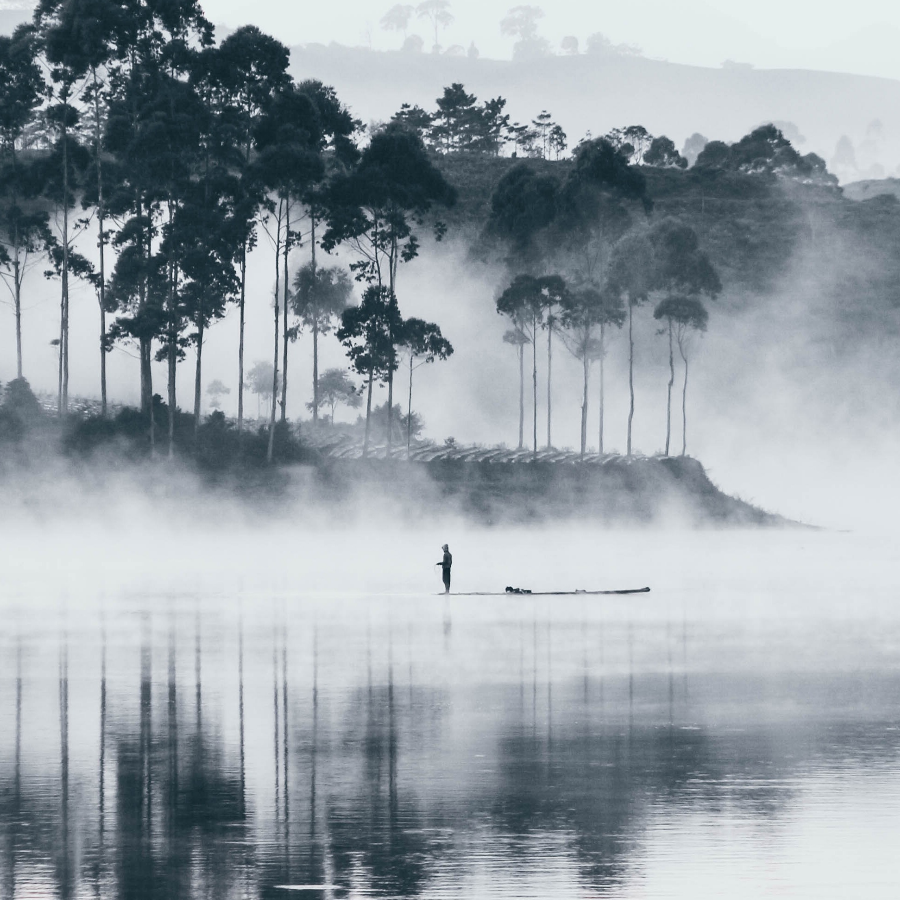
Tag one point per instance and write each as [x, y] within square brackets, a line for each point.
[242, 710]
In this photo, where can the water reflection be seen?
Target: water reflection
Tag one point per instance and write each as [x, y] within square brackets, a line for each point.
[233, 747]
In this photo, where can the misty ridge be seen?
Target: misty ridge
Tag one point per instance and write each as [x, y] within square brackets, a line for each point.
[445, 271]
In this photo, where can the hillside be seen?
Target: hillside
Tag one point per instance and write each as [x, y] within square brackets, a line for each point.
[760, 231]
[596, 93]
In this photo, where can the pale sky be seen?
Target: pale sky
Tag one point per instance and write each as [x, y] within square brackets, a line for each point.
[861, 37]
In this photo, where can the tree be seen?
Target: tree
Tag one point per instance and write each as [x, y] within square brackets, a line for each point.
[319, 298]
[569, 45]
[260, 381]
[584, 313]
[423, 343]
[523, 302]
[688, 315]
[438, 13]
[557, 140]
[521, 23]
[153, 129]
[553, 294]
[543, 123]
[216, 391]
[374, 208]
[23, 227]
[251, 68]
[682, 272]
[597, 199]
[631, 278]
[455, 122]
[415, 119]
[397, 18]
[288, 137]
[639, 139]
[522, 204]
[369, 332]
[334, 387]
[662, 153]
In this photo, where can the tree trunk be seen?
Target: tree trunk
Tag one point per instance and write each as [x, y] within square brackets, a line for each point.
[409, 409]
[198, 381]
[147, 388]
[584, 402]
[669, 391]
[602, 355]
[549, 370]
[271, 445]
[534, 379]
[315, 331]
[630, 372]
[101, 221]
[18, 305]
[312, 263]
[63, 403]
[172, 356]
[240, 415]
[521, 395]
[284, 364]
[368, 416]
[684, 404]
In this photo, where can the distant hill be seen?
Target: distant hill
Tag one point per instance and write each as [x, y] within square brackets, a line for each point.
[598, 92]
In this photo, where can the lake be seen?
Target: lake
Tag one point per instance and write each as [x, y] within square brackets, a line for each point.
[273, 712]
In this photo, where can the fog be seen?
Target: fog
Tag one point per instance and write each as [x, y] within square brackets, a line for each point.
[790, 406]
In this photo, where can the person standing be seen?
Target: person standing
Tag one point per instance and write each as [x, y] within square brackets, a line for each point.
[445, 565]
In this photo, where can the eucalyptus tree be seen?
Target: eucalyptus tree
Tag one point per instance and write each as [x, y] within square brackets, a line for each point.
[423, 343]
[339, 153]
[685, 315]
[248, 68]
[683, 272]
[631, 277]
[397, 18]
[523, 303]
[62, 174]
[585, 317]
[90, 37]
[287, 137]
[597, 202]
[438, 13]
[335, 386]
[369, 333]
[23, 225]
[154, 129]
[553, 294]
[319, 297]
[58, 24]
[375, 208]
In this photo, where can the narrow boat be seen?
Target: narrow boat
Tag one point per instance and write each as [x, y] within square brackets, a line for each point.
[520, 592]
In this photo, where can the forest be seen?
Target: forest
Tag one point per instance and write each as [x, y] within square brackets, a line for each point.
[140, 156]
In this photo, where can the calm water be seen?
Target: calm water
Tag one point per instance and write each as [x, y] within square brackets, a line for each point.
[239, 727]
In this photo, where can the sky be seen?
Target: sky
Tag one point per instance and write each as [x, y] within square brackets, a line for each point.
[861, 38]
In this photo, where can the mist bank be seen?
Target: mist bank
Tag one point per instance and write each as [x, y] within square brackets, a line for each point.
[104, 471]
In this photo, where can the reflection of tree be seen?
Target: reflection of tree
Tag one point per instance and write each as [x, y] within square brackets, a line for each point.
[379, 828]
[169, 817]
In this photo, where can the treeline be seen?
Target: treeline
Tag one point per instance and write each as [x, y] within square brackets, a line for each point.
[179, 153]
[586, 250]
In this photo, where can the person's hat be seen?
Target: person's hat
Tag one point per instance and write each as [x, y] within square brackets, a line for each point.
[445, 547]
